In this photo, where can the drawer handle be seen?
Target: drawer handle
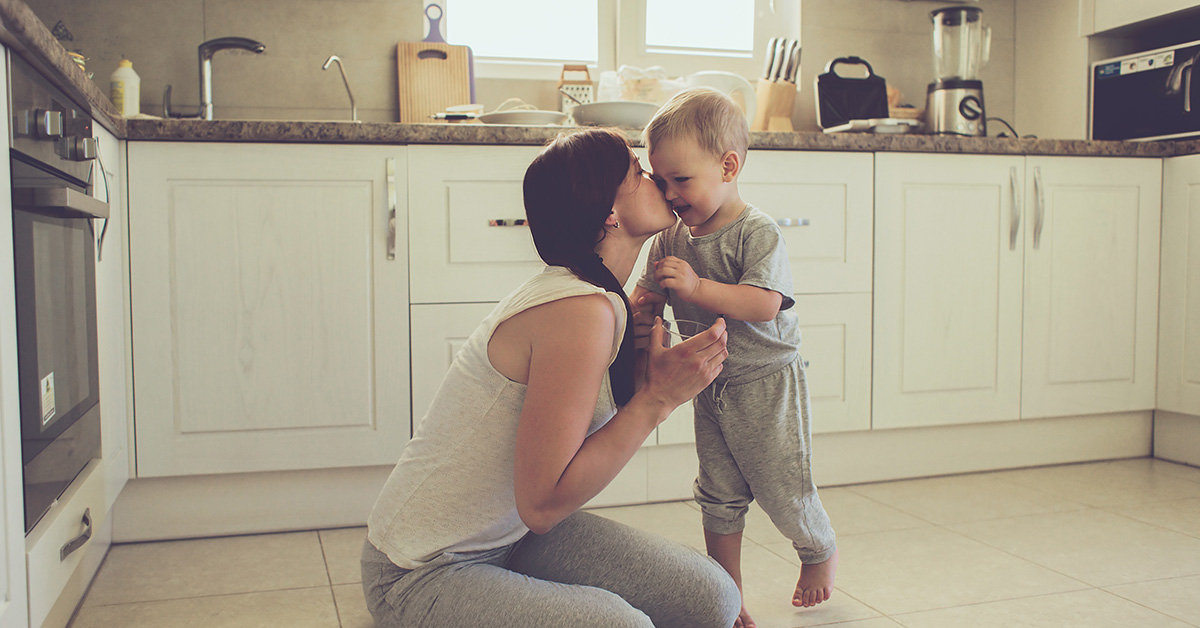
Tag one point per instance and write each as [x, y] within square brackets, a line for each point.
[792, 222]
[78, 541]
[391, 192]
[507, 222]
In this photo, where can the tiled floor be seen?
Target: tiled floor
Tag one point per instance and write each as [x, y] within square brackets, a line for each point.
[1083, 546]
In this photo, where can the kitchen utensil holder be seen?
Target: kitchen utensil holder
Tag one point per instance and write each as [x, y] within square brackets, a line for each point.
[776, 100]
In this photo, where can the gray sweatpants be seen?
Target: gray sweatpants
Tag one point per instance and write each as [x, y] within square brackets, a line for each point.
[587, 572]
[754, 441]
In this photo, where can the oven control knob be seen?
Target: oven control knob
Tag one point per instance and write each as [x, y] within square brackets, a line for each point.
[49, 123]
[85, 149]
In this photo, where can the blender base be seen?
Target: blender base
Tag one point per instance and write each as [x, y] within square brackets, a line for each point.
[955, 107]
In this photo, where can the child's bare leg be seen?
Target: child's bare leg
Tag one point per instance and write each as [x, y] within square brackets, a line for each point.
[726, 549]
[816, 583]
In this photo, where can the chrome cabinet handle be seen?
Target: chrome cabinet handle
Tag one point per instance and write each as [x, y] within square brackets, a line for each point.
[792, 222]
[391, 192]
[78, 541]
[1015, 209]
[1039, 191]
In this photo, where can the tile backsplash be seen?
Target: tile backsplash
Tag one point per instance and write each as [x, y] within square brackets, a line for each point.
[286, 81]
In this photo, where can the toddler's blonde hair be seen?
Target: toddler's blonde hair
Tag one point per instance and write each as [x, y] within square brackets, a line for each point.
[705, 114]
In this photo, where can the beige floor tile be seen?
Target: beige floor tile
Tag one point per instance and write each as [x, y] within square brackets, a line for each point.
[851, 513]
[179, 569]
[1115, 483]
[1178, 470]
[769, 581]
[956, 499]
[673, 520]
[1095, 546]
[352, 606]
[1176, 597]
[1091, 609]
[876, 622]
[926, 568]
[343, 550]
[295, 608]
[1180, 516]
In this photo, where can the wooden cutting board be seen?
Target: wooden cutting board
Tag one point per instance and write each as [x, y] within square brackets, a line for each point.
[432, 76]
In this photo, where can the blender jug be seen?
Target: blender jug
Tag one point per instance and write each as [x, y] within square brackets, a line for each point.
[961, 44]
[954, 101]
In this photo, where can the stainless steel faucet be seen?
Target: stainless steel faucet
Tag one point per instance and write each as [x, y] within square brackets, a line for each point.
[206, 51]
[342, 69]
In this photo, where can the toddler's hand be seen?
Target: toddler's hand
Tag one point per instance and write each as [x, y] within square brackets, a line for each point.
[676, 274]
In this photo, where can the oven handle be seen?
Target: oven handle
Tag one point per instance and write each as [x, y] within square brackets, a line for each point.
[64, 200]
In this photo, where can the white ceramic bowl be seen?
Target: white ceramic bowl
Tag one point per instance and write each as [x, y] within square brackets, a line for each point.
[626, 113]
[523, 116]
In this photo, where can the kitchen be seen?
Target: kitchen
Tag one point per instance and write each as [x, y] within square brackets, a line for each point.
[191, 488]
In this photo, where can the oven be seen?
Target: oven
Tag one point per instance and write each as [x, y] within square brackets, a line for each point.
[51, 151]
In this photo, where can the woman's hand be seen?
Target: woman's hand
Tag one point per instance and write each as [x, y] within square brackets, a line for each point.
[677, 374]
[646, 307]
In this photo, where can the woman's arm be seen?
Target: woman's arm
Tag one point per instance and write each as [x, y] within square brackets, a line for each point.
[558, 467]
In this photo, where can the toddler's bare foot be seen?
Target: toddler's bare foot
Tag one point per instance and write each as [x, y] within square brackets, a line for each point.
[743, 620]
[816, 583]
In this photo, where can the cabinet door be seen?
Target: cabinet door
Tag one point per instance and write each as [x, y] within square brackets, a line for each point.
[271, 324]
[948, 272]
[465, 203]
[823, 204]
[1091, 285]
[1179, 316]
[835, 342]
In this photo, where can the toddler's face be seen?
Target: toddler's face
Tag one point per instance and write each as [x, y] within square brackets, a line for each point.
[692, 180]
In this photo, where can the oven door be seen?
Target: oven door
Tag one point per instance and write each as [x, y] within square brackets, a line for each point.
[54, 258]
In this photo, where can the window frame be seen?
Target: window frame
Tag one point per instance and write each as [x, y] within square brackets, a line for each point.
[621, 40]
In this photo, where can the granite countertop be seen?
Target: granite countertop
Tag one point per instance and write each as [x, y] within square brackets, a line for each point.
[21, 29]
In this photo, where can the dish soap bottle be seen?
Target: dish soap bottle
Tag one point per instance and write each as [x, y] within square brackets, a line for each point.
[125, 89]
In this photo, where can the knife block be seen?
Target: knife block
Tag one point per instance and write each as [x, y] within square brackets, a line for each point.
[776, 100]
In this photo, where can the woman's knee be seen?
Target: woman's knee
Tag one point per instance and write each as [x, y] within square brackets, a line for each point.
[721, 605]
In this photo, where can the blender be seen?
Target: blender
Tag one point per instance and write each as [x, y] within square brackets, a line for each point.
[954, 101]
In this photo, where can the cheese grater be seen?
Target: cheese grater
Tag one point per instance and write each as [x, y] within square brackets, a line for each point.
[581, 89]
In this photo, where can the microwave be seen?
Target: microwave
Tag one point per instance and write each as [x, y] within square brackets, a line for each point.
[1150, 95]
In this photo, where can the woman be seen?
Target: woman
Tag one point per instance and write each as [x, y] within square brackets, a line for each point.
[478, 524]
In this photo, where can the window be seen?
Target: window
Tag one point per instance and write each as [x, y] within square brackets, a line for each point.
[532, 38]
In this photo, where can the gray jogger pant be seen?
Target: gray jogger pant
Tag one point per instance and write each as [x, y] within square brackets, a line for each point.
[587, 572]
[754, 441]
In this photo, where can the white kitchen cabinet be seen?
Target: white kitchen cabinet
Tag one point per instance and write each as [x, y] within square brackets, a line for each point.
[1097, 16]
[1091, 285]
[948, 277]
[975, 321]
[271, 317]
[823, 203]
[1179, 314]
[470, 243]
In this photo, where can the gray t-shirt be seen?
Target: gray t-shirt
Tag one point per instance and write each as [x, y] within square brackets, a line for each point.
[750, 251]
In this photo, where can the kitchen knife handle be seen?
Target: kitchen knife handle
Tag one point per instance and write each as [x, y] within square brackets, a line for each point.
[1015, 227]
[770, 58]
[391, 193]
[1040, 193]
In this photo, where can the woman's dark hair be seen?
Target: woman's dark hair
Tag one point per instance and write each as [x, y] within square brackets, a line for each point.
[569, 192]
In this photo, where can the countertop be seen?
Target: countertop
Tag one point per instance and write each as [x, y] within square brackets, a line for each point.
[21, 30]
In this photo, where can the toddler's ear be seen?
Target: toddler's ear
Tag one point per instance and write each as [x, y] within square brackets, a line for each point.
[731, 165]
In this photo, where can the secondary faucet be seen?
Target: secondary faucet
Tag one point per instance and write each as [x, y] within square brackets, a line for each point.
[206, 51]
[328, 62]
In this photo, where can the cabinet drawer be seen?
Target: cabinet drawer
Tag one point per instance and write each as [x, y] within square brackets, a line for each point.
[463, 203]
[49, 571]
[823, 202]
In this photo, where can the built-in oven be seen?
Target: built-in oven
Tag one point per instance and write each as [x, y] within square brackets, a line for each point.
[51, 150]
[1147, 96]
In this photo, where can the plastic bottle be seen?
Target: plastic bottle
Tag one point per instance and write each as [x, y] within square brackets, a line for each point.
[125, 89]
